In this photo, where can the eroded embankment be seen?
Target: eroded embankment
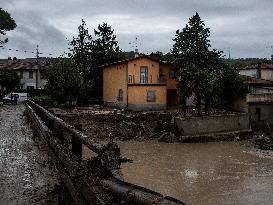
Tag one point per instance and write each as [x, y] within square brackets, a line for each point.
[123, 126]
[27, 175]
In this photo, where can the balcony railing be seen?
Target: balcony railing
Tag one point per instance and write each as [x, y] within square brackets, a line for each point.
[259, 98]
[147, 80]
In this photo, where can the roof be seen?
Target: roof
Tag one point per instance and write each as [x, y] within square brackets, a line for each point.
[135, 58]
[23, 65]
[263, 66]
[258, 81]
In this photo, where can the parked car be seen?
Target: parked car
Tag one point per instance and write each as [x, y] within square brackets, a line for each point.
[21, 97]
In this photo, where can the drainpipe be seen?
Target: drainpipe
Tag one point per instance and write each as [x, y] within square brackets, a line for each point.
[127, 100]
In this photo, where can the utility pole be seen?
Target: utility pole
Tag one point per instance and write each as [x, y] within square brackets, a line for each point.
[38, 73]
[272, 54]
[37, 54]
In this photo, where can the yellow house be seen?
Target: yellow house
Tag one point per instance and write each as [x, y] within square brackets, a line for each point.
[141, 83]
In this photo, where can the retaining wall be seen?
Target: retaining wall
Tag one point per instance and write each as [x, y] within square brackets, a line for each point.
[213, 124]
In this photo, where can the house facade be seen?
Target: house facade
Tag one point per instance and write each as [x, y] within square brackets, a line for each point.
[259, 101]
[32, 74]
[141, 83]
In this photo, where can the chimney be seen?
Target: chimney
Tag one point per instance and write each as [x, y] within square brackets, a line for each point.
[259, 70]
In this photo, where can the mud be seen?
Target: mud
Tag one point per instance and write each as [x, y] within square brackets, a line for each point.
[27, 175]
[122, 125]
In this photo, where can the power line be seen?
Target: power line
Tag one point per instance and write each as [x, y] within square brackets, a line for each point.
[32, 52]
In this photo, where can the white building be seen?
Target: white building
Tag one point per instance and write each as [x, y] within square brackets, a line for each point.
[31, 73]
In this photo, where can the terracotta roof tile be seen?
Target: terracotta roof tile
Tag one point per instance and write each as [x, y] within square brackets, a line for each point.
[23, 65]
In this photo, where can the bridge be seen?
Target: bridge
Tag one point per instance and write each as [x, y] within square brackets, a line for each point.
[95, 180]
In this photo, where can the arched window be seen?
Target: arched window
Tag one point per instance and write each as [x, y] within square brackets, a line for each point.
[120, 95]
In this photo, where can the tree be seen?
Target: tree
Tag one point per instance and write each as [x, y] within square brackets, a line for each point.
[6, 24]
[195, 63]
[90, 53]
[65, 82]
[161, 56]
[9, 79]
[231, 85]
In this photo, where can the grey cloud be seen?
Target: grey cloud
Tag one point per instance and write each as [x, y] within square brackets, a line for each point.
[245, 26]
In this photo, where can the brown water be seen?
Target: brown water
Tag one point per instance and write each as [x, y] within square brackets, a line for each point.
[209, 174]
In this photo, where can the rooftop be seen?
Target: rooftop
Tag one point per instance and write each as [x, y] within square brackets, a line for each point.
[23, 65]
[263, 66]
[135, 58]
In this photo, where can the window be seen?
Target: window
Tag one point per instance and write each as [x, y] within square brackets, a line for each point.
[21, 74]
[120, 95]
[131, 79]
[30, 74]
[143, 75]
[151, 96]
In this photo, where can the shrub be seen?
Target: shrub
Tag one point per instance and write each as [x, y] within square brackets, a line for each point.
[44, 100]
[1, 104]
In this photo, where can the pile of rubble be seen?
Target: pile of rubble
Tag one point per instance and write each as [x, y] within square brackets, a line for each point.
[263, 141]
[124, 125]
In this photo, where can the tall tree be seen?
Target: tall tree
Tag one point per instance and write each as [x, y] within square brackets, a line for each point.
[195, 63]
[6, 24]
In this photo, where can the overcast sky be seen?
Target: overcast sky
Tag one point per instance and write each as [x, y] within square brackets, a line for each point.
[244, 26]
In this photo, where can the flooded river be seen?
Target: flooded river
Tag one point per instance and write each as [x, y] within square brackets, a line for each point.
[209, 174]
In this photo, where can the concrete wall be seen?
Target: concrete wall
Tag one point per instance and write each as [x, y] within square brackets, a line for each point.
[214, 124]
[240, 105]
[267, 74]
[261, 116]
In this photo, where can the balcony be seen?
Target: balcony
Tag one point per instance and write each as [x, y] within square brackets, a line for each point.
[260, 98]
[147, 80]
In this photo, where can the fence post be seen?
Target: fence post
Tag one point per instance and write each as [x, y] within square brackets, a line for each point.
[76, 144]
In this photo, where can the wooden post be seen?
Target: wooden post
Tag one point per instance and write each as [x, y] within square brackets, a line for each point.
[76, 144]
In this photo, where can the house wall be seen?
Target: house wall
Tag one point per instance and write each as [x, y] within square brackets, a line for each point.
[171, 82]
[261, 116]
[267, 74]
[115, 78]
[137, 98]
[153, 70]
[26, 81]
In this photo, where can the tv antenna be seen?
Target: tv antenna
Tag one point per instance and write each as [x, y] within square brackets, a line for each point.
[135, 45]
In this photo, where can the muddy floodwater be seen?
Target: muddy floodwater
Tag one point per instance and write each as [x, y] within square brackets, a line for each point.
[206, 173]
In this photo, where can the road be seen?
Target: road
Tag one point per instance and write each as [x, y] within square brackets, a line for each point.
[27, 176]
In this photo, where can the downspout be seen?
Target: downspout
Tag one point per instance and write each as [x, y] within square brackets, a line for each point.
[127, 100]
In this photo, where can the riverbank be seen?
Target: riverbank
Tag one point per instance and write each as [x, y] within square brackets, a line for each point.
[103, 124]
